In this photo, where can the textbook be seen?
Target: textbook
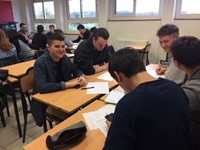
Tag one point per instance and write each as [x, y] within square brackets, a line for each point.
[114, 96]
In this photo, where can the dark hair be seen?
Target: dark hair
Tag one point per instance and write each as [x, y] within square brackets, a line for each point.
[21, 24]
[54, 37]
[40, 28]
[51, 26]
[126, 61]
[93, 29]
[186, 50]
[80, 26]
[167, 29]
[100, 32]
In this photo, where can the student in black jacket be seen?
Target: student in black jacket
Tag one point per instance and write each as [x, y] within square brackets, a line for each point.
[84, 33]
[92, 55]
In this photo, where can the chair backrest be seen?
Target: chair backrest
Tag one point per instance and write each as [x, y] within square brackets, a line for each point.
[27, 81]
[147, 47]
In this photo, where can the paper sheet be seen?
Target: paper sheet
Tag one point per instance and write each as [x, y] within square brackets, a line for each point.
[96, 119]
[106, 76]
[153, 73]
[99, 88]
[114, 96]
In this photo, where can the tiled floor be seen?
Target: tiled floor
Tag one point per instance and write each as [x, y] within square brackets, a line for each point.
[9, 137]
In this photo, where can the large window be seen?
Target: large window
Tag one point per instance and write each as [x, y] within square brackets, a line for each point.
[81, 11]
[187, 9]
[44, 9]
[135, 9]
[44, 13]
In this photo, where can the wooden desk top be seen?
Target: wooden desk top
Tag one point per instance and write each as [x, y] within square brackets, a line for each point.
[70, 100]
[93, 140]
[69, 55]
[140, 46]
[19, 69]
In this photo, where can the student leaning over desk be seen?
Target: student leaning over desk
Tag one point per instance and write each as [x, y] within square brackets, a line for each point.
[92, 55]
[186, 54]
[53, 71]
[153, 115]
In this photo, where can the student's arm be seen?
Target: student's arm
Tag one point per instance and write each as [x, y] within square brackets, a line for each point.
[160, 70]
[100, 68]
[77, 40]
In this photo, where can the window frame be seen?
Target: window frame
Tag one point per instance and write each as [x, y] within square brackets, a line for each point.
[179, 16]
[43, 21]
[69, 20]
[115, 17]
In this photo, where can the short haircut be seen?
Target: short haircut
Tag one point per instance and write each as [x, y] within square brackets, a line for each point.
[54, 37]
[93, 29]
[21, 24]
[80, 26]
[186, 50]
[40, 28]
[167, 29]
[51, 26]
[126, 61]
[100, 32]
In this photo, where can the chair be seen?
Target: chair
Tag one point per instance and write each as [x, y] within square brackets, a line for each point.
[144, 52]
[26, 86]
[2, 106]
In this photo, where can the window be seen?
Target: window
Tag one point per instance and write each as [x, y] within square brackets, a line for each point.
[135, 9]
[44, 13]
[44, 9]
[80, 11]
[187, 9]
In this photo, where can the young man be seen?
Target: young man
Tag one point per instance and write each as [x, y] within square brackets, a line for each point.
[53, 71]
[39, 40]
[154, 114]
[167, 34]
[91, 56]
[186, 54]
[84, 33]
[51, 30]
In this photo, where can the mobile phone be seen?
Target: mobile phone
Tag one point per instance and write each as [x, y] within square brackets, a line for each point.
[109, 117]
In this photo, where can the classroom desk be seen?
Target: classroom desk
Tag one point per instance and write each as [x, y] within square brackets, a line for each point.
[94, 139]
[151, 69]
[70, 100]
[17, 70]
[138, 47]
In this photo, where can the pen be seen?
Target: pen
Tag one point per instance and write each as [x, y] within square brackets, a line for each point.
[85, 88]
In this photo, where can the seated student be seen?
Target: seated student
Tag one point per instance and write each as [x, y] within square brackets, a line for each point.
[68, 42]
[51, 30]
[92, 30]
[167, 34]
[8, 52]
[53, 71]
[24, 52]
[145, 118]
[84, 33]
[186, 54]
[39, 40]
[23, 31]
[91, 56]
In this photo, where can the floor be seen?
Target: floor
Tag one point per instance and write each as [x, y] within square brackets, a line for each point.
[9, 137]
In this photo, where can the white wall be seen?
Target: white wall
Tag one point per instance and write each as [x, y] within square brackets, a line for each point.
[129, 30]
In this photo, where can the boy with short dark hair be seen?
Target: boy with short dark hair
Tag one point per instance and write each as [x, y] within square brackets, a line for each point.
[154, 114]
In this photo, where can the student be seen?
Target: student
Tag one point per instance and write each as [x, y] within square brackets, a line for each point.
[167, 34]
[23, 31]
[39, 39]
[92, 30]
[84, 33]
[7, 50]
[91, 56]
[53, 71]
[186, 54]
[51, 30]
[145, 118]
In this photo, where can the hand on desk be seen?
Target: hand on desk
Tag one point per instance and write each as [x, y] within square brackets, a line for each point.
[78, 81]
[160, 70]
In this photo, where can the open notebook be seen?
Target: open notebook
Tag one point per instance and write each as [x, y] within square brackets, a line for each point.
[114, 96]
